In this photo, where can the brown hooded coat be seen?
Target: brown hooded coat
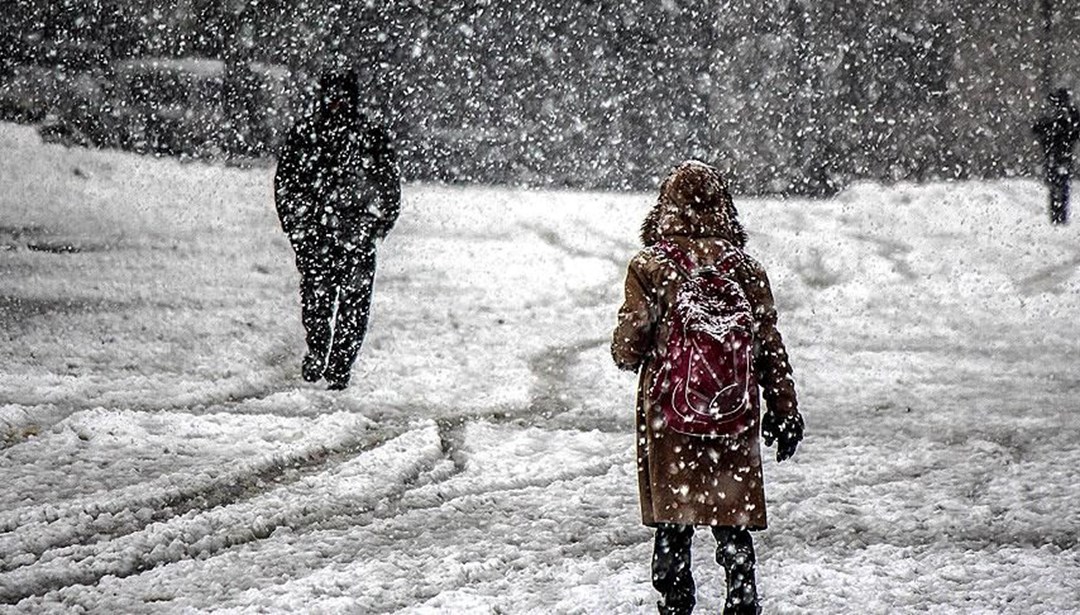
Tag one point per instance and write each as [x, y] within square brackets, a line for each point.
[683, 479]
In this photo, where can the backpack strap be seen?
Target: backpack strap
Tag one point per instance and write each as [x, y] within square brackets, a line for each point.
[686, 267]
[679, 259]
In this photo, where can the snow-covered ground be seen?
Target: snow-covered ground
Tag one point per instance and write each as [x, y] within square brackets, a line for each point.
[160, 453]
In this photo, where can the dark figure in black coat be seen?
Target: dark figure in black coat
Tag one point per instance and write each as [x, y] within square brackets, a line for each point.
[337, 191]
[1058, 132]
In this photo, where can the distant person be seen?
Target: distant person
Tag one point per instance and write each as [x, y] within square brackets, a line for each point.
[1058, 132]
[337, 191]
[699, 326]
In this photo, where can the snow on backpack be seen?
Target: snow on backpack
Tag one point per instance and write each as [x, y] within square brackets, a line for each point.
[706, 378]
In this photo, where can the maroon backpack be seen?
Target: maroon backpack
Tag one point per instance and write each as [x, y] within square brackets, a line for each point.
[706, 377]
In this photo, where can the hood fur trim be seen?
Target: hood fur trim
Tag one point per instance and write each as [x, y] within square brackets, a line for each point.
[694, 202]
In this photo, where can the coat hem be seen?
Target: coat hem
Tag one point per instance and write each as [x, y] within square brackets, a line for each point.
[751, 528]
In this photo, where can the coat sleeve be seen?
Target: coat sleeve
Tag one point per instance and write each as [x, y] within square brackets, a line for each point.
[388, 182]
[291, 196]
[771, 363]
[633, 337]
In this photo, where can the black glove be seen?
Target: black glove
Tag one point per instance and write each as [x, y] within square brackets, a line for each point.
[787, 433]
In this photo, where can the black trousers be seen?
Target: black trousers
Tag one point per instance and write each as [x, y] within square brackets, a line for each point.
[671, 574]
[335, 291]
[1059, 198]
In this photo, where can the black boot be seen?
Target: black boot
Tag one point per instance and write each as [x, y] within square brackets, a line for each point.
[735, 552]
[312, 368]
[338, 383]
[743, 609]
[674, 610]
[671, 569]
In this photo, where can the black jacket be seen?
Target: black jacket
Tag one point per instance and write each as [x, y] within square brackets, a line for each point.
[1058, 133]
[337, 183]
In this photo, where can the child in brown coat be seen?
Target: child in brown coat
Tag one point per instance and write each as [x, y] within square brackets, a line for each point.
[687, 480]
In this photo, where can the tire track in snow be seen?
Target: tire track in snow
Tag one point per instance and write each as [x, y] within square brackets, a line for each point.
[433, 497]
[551, 368]
[501, 563]
[279, 376]
[548, 398]
[601, 294]
[553, 239]
[19, 313]
[15, 428]
[406, 516]
[346, 491]
[891, 250]
[210, 526]
[30, 532]
[1050, 279]
[147, 530]
[386, 491]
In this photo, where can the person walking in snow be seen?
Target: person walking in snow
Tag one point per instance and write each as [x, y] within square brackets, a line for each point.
[700, 464]
[1058, 132]
[337, 191]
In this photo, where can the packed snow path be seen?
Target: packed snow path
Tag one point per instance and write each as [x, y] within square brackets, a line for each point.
[160, 453]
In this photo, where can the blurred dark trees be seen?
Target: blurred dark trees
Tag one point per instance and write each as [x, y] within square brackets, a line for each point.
[792, 96]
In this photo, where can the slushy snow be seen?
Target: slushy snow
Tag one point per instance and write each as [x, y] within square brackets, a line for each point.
[161, 454]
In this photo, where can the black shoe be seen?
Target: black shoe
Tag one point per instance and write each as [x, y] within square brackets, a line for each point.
[337, 383]
[733, 606]
[682, 609]
[312, 368]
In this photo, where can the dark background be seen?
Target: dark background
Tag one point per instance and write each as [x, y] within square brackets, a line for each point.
[789, 97]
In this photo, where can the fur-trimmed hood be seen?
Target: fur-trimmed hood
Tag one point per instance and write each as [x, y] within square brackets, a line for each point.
[694, 202]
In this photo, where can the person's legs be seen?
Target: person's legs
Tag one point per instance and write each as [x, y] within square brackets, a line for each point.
[671, 574]
[1064, 198]
[1059, 196]
[317, 294]
[356, 277]
[735, 552]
